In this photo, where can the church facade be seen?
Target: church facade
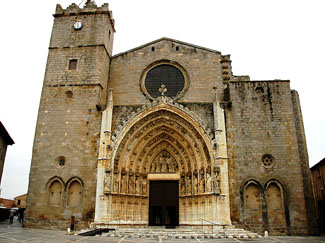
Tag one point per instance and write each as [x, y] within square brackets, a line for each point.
[162, 135]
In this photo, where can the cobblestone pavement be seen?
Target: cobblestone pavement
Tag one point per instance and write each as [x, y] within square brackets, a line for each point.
[15, 233]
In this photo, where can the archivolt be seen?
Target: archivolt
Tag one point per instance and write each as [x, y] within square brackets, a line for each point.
[162, 127]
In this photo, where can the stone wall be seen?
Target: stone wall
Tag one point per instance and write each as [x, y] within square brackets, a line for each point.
[263, 151]
[65, 150]
[304, 165]
[318, 177]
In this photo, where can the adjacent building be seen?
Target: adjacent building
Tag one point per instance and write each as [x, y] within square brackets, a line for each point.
[318, 175]
[20, 201]
[162, 135]
[5, 140]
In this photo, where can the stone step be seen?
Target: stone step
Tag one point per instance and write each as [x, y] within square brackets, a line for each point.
[180, 233]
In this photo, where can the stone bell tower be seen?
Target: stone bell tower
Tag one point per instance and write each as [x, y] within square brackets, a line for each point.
[62, 186]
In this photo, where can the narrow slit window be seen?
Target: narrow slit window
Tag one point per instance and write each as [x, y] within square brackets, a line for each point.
[73, 64]
[153, 48]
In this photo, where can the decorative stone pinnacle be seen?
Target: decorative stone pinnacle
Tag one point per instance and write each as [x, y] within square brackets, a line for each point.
[162, 90]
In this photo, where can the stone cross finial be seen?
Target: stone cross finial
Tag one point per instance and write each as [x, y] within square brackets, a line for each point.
[162, 90]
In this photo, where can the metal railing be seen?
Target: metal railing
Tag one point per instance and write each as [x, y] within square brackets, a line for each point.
[212, 224]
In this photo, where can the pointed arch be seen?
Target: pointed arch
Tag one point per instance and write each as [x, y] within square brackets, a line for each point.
[74, 191]
[55, 188]
[159, 127]
[252, 202]
[75, 178]
[165, 141]
[276, 206]
[248, 182]
[252, 195]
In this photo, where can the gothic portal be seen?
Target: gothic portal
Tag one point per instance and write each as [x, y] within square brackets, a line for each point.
[160, 143]
[162, 135]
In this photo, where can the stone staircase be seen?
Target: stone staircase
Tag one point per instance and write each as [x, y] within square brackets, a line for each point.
[180, 233]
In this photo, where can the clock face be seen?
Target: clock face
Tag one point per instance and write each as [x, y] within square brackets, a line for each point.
[77, 25]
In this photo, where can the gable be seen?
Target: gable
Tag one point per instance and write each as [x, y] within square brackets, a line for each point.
[172, 41]
[202, 68]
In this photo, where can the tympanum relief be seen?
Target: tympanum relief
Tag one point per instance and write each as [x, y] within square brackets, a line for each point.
[164, 163]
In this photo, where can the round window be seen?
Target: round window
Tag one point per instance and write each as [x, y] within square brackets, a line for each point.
[268, 160]
[164, 80]
[60, 161]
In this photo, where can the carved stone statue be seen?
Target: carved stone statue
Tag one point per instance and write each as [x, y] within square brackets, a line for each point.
[115, 183]
[158, 166]
[107, 182]
[144, 186]
[195, 182]
[189, 185]
[209, 180]
[153, 167]
[183, 186]
[131, 184]
[163, 164]
[123, 184]
[137, 185]
[217, 182]
[171, 165]
[202, 184]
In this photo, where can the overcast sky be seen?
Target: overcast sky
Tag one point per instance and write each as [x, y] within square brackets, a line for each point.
[266, 39]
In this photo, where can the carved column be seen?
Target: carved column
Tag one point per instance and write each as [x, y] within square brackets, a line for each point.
[102, 201]
[222, 203]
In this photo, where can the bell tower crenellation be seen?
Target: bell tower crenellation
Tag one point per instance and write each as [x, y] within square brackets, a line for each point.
[96, 26]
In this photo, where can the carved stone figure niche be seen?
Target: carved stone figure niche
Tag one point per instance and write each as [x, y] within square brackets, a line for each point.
[200, 182]
[125, 182]
[107, 182]
[217, 180]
